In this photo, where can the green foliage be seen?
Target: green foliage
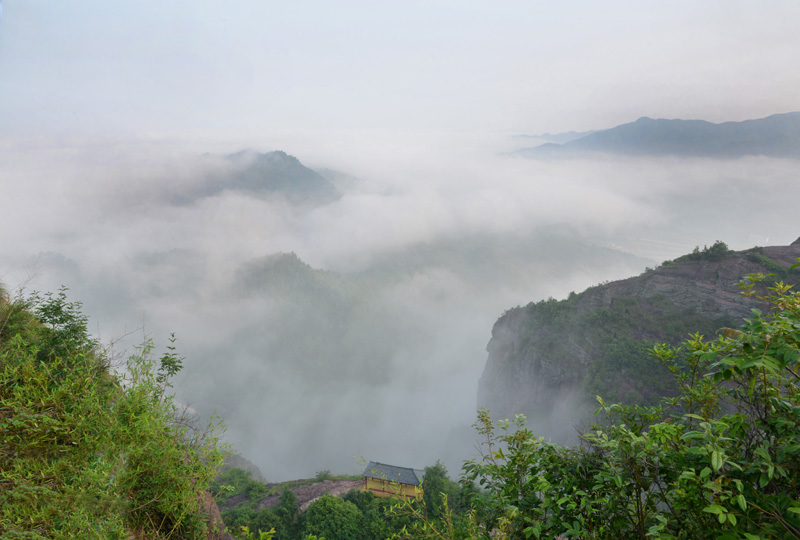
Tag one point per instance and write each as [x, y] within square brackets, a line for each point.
[333, 518]
[758, 256]
[322, 476]
[235, 481]
[374, 523]
[287, 515]
[719, 460]
[716, 252]
[619, 334]
[281, 522]
[441, 494]
[171, 363]
[67, 333]
[421, 525]
[86, 453]
[246, 534]
[364, 517]
[443, 512]
[435, 484]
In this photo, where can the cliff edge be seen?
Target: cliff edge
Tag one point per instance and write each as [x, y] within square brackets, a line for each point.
[548, 360]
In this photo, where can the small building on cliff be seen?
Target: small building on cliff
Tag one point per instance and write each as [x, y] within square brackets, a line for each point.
[391, 481]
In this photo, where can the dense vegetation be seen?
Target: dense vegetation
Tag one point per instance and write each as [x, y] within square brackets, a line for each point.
[596, 342]
[87, 453]
[621, 333]
[716, 252]
[357, 515]
[721, 460]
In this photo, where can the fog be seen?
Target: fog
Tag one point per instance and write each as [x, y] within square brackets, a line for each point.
[116, 120]
[376, 350]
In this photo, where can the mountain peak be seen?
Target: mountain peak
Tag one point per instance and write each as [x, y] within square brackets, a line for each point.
[277, 173]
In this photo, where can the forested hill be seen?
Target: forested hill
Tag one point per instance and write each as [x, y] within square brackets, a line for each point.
[278, 173]
[548, 360]
[269, 175]
[775, 136]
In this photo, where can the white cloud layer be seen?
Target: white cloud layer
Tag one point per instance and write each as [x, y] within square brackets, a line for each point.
[114, 112]
[460, 235]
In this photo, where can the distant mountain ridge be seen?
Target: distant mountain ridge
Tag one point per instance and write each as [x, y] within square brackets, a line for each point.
[774, 136]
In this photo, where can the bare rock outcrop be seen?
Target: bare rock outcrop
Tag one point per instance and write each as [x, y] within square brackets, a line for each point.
[216, 527]
[308, 493]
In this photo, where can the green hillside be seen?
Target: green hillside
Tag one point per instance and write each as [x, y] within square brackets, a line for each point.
[86, 452]
[556, 353]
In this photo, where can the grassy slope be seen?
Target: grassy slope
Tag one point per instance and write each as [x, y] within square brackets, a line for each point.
[83, 452]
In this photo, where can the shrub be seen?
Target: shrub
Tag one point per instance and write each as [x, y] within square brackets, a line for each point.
[322, 476]
[87, 453]
[716, 252]
[332, 518]
[721, 460]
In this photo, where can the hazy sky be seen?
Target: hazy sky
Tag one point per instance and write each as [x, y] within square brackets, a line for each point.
[247, 67]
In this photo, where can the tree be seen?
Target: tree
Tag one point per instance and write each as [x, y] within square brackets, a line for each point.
[721, 460]
[374, 524]
[440, 493]
[717, 251]
[288, 514]
[435, 484]
[332, 518]
[444, 511]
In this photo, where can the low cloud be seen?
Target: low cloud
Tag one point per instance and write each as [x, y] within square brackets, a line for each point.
[434, 237]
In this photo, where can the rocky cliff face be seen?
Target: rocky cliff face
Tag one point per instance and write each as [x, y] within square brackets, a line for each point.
[549, 359]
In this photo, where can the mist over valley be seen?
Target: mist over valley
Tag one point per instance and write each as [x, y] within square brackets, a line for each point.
[331, 205]
[330, 321]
